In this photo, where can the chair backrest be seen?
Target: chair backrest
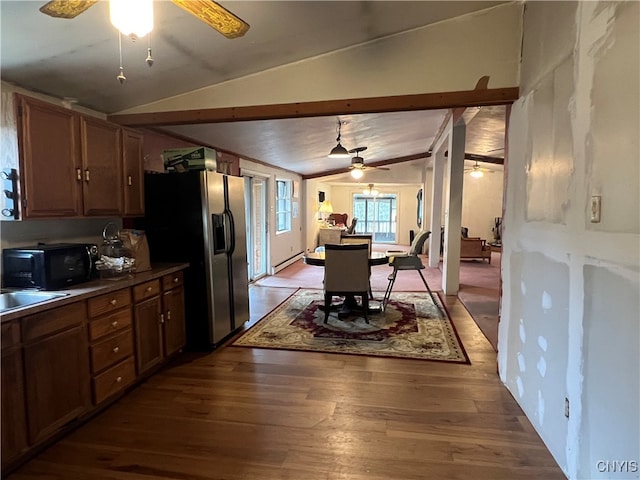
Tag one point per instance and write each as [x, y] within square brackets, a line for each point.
[339, 218]
[418, 242]
[358, 238]
[346, 268]
[329, 235]
[352, 227]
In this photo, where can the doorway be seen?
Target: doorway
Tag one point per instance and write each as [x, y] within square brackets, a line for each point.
[256, 187]
[376, 215]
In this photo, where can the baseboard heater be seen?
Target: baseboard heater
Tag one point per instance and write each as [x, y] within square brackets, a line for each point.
[284, 264]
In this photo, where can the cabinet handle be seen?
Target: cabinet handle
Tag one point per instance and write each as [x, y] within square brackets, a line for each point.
[161, 318]
[78, 174]
[176, 279]
[129, 181]
[86, 175]
[116, 349]
[114, 324]
[113, 301]
[118, 379]
[149, 289]
[168, 315]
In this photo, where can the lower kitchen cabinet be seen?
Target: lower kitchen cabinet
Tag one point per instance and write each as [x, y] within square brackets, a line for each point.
[173, 311]
[56, 366]
[14, 423]
[148, 328]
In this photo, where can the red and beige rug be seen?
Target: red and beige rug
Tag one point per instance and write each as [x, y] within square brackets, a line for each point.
[410, 327]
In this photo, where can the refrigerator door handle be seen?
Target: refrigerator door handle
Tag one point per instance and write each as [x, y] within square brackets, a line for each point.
[230, 231]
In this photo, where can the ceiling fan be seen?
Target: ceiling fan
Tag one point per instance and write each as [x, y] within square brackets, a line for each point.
[210, 12]
[357, 163]
[477, 171]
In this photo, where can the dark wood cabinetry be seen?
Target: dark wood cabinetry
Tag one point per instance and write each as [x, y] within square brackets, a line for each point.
[73, 164]
[14, 423]
[148, 328]
[56, 365]
[50, 167]
[102, 167]
[133, 172]
[173, 313]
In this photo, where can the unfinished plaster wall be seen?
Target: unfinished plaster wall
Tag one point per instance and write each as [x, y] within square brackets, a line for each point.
[570, 304]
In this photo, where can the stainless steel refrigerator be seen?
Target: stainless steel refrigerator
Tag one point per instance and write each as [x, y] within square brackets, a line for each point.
[199, 217]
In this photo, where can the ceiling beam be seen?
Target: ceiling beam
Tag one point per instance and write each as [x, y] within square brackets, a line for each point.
[424, 101]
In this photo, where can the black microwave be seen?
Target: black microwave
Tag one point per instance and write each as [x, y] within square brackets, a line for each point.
[47, 267]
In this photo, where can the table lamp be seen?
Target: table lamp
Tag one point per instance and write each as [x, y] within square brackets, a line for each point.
[326, 209]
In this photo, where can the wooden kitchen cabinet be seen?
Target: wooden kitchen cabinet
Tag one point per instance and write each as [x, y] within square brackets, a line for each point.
[76, 165]
[50, 167]
[14, 423]
[56, 365]
[102, 167]
[133, 172]
[148, 334]
[173, 313]
[111, 344]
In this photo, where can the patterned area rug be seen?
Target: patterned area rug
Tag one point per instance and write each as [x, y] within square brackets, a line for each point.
[410, 327]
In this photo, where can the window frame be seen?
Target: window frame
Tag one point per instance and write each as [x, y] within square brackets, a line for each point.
[283, 205]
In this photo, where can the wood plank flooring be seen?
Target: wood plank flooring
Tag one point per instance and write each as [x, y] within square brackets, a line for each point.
[258, 414]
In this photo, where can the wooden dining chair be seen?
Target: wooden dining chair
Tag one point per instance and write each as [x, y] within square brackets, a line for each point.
[346, 272]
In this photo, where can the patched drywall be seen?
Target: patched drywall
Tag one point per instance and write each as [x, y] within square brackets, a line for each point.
[574, 134]
[550, 167]
[608, 169]
[611, 400]
[538, 342]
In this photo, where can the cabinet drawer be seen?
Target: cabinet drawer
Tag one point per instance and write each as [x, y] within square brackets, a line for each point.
[10, 334]
[109, 302]
[111, 351]
[173, 280]
[112, 323]
[114, 380]
[146, 290]
[54, 320]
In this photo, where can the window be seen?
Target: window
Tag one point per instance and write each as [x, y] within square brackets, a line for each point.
[283, 206]
[377, 216]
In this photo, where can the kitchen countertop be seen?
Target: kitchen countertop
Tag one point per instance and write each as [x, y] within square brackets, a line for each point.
[93, 288]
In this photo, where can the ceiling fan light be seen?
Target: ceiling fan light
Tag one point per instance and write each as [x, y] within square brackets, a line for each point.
[132, 17]
[357, 173]
[476, 173]
[339, 152]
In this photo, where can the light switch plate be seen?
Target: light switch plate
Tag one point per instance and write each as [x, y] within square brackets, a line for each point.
[595, 209]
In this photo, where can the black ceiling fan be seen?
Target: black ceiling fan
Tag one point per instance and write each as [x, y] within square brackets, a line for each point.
[357, 162]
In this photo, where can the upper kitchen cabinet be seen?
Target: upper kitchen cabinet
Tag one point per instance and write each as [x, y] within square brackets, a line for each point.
[102, 167]
[133, 172]
[76, 165]
[50, 167]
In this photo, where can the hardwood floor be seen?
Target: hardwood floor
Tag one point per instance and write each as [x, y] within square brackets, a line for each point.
[251, 414]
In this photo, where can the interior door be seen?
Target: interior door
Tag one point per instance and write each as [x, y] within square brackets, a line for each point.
[256, 206]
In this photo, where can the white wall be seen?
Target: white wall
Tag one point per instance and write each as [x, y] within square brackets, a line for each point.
[445, 57]
[482, 203]
[282, 246]
[570, 325]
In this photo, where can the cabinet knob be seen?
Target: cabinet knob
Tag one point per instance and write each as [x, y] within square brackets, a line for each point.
[113, 301]
[129, 180]
[118, 379]
[149, 288]
[86, 175]
[116, 349]
[168, 315]
[176, 279]
[161, 318]
[78, 174]
[114, 323]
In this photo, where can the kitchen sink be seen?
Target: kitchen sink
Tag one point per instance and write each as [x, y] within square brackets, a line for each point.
[22, 298]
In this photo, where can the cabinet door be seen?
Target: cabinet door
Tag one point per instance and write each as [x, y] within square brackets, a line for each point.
[133, 173]
[59, 384]
[174, 327]
[49, 160]
[148, 334]
[102, 167]
[14, 425]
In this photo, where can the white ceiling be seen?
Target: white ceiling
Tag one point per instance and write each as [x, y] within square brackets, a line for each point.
[78, 58]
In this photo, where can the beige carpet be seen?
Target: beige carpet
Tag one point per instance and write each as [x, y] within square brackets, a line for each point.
[410, 327]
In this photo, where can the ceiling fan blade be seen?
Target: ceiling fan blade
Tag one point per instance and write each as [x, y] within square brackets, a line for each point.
[216, 16]
[66, 8]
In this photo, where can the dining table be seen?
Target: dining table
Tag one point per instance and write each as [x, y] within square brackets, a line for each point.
[349, 304]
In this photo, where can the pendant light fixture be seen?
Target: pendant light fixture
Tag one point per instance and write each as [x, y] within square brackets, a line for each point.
[372, 192]
[133, 18]
[339, 151]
